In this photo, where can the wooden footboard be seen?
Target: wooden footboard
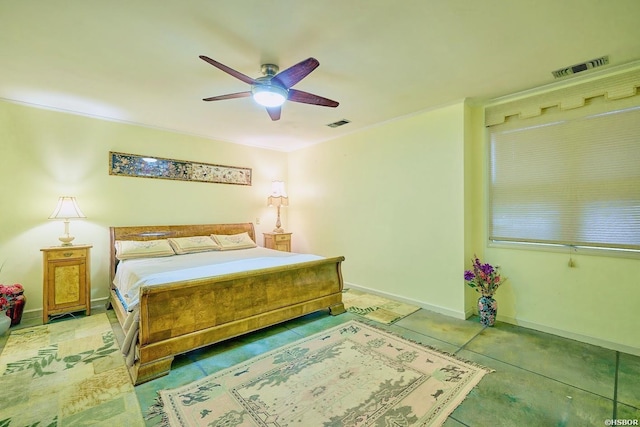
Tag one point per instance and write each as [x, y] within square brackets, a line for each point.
[179, 317]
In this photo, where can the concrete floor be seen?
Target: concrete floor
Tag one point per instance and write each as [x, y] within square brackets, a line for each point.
[539, 379]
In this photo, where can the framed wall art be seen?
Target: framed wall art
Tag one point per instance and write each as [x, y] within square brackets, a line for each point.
[123, 164]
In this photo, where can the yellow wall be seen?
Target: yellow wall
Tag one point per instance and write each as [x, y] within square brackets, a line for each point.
[404, 202]
[474, 197]
[596, 301]
[390, 199]
[46, 154]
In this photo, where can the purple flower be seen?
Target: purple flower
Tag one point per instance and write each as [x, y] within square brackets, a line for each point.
[484, 278]
[486, 269]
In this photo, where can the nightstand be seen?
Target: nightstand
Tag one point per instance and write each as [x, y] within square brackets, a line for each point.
[278, 241]
[66, 285]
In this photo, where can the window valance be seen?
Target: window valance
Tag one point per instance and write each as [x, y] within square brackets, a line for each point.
[611, 87]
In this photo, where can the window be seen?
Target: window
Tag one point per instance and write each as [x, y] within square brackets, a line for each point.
[567, 176]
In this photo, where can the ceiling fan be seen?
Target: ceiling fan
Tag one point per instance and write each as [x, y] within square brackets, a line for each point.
[273, 88]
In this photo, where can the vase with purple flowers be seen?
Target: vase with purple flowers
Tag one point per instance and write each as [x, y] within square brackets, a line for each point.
[485, 279]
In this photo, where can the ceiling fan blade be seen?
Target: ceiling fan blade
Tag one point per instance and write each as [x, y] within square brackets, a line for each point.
[229, 96]
[274, 112]
[295, 73]
[238, 75]
[309, 98]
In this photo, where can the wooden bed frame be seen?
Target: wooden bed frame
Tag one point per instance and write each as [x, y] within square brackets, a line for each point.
[178, 317]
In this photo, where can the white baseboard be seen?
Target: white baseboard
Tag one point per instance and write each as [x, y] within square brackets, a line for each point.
[571, 335]
[99, 302]
[36, 313]
[421, 304]
[525, 324]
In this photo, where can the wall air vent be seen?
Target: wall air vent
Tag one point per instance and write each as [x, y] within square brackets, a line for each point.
[578, 68]
[338, 123]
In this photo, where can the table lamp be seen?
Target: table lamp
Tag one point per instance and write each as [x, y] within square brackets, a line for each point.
[67, 209]
[278, 198]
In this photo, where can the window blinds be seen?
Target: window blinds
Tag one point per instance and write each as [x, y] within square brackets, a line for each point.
[568, 176]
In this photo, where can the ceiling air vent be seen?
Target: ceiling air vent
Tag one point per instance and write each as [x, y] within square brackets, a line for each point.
[578, 68]
[338, 123]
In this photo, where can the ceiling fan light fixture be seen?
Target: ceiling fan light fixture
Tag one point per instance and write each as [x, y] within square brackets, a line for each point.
[269, 95]
[274, 88]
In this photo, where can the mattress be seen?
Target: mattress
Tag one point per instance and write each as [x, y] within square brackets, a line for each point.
[132, 274]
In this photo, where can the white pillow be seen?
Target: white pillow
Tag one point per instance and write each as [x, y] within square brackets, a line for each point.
[234, 241]
[188, 245]
[130, 249]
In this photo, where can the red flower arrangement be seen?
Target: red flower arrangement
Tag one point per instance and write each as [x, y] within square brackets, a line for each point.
[9, 294]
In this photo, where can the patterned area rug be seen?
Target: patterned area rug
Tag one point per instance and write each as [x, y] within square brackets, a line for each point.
[66, 373]
[375, 307]
[350, 375]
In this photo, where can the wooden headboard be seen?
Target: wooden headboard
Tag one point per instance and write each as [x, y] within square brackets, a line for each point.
[153, 232]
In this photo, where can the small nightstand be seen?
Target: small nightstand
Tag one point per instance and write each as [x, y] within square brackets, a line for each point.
[277, 241]
[66, 285]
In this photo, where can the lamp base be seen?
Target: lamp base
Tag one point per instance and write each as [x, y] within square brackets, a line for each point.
[278, 228]
[66, 240]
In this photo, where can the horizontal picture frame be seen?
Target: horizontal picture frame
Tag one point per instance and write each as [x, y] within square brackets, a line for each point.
[134, 165]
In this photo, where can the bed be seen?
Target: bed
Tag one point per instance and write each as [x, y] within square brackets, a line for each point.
[167, 319]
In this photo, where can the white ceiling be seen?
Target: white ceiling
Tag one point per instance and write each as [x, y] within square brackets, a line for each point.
[136, 61]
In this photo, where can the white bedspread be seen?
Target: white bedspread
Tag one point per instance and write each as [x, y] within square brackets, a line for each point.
[134, 273]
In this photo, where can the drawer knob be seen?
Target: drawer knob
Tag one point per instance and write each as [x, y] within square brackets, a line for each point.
[67, 254]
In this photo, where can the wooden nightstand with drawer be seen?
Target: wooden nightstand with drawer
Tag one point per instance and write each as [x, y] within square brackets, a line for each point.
[278, 241]
[66, 284]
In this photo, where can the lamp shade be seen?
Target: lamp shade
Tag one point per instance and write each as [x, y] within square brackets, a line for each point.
[67, 208]
[278, 195]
